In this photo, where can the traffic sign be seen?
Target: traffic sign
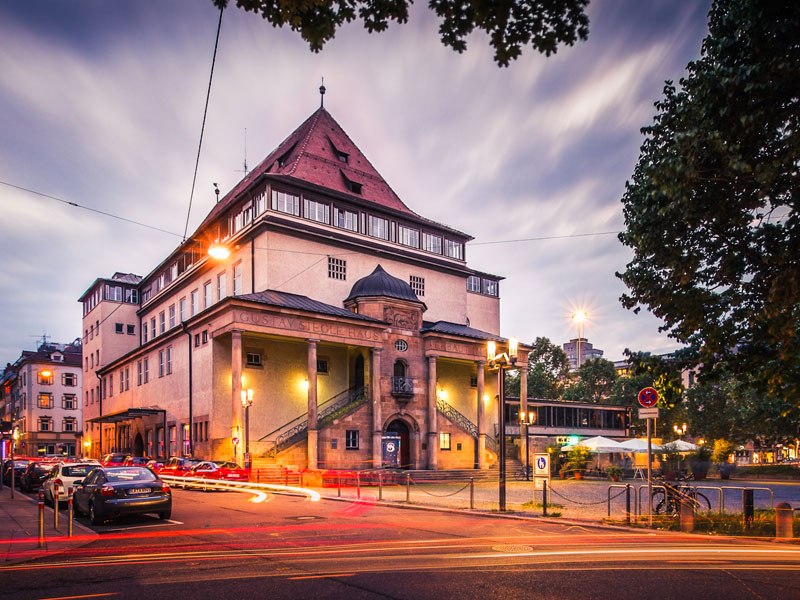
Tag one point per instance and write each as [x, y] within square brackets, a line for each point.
[648, 397]
[541, 464]
[648, 413]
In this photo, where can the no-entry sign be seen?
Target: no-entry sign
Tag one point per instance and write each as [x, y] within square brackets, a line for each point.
[648, 397]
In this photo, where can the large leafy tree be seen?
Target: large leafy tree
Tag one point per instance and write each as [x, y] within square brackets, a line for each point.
[711, 209]
[548, 369]
[544, 24]
[594, 382]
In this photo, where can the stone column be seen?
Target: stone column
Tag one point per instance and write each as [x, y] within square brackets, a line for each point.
[481, 415]
[236, 395]
[313, 427]
[377, 417]
[433, 435]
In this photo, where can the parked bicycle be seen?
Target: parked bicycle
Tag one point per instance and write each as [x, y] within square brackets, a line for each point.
[523, 473]
[667, 501]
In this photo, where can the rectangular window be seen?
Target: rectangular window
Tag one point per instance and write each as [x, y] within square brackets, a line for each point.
[408, 236]
[144, 333]
[322, 366]
[196, 340]
[111, 385]
[127, 378]
[132, 296]
[205, 337]
[474, 284]
[418, 285]
[45, 424]
[162, 322]
[182, 309]
[121, 380]
[69, 402]
[237, 279]
[444, 441]
[45, 377]
[432, 243]
[490, 287]
[316, 211]
[131, 330]
[259, 203]
[45, 400]
[454, 249]
[378, 227]
[169, 360]
[138, 372]
[346, 219]
[160, 363]
[337, 268]
[118, 328]
[153, 328]
[286, 203]
[69, 425]
[69, 379]
[171, 316]
[195, 295]
[222, 285]
[351, 439]
[145, 370]
[253, 359]
[207, 295]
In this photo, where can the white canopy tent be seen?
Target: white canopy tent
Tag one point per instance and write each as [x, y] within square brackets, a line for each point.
[679, 446]
[638, 445]
[598, 445]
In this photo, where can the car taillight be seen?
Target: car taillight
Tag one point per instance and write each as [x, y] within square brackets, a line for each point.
[107, 490]
[58, 483]
[164, 488]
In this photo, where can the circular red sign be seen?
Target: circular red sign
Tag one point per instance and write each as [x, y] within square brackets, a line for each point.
[648, 397]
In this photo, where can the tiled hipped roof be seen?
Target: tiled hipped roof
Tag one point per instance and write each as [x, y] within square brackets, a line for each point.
[319, 152]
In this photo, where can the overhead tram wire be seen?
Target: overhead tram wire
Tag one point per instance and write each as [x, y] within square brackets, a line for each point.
[543, 238]
[203, 126]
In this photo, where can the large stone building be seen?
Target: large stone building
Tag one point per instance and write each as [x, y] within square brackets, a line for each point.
[342, 329]
[40, 396]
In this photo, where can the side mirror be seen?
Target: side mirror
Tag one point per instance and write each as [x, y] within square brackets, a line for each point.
[78, 483]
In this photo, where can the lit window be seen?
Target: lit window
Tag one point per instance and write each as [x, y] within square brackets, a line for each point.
[45, 377]
[444, 441]
[351, 439]
[337, 268]
[45, 400]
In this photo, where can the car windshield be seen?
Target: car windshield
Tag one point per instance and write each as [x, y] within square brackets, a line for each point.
[131, 474]
[227, 465]
[76, 470]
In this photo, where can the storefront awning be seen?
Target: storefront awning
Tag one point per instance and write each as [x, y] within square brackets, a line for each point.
[129, 414]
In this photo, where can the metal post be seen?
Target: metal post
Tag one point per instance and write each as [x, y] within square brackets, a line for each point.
[527, 455]
[649, 472]
[380, 485]
[686, 515]
[70, 514]
[502, 422]
[339, 485]
[408, 487]
[41, 519]
[748, 507]
[286, 478]
[13, 472]
[56, 500]
[544, 497]
[472, 493]
[358, 485]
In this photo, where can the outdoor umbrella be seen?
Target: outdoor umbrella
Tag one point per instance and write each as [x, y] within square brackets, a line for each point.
[679, 446]
[638, 445]
[598, 444]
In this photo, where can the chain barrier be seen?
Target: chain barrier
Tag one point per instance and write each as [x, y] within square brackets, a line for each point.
[603, 501]
[441, 495]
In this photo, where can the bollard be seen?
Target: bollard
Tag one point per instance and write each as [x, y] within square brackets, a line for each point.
[358, 485]
[748, 508]
[258, 475]
[70, 513]
[301, 480]
[380, 485]
[408, 487]
[339, 485]
[286, 477]
[784, 521]
[544, 497]
[628, 503]
[41, 519]
[687, 515]
[472, 493]
[56, 500]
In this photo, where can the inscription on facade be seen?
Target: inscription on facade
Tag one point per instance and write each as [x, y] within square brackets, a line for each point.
[456, 348]
[308, 326]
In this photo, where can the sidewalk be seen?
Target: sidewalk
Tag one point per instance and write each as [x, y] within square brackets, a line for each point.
[19, 530]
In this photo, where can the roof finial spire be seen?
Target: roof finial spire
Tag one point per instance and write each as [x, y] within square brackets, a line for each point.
[322, 94]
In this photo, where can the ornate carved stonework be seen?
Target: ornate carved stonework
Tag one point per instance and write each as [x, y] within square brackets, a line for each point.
[404, 319]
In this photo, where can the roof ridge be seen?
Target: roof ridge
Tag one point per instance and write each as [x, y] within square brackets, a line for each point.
[307, 137]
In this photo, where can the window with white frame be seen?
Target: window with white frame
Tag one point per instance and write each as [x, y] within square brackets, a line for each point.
[207, 294]
[351, 439]
[168, 359]
[69, 402]
[139, 372]
[45, 400]
[162, 322]
[444, 440]
[337, 268]
[69, 425]
[253, 359]
[432, 243]
[160, 363]
[259, 203]
[195, 295]
[182, 309]
[45, 424]
[378, 227]
[286, 203]
[145, 370]
[408, 236]
[171, 316]
[454, 249]
[222, 285]
[474, 284]
[490, 287]
[417, 284]
[69, 379]
[144, 332]
[346, 219]
[153, 328]
[127, 378]
[237, 278]
[316, 211]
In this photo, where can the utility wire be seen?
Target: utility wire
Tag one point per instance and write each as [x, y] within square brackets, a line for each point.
[549, 237]
[203, 127]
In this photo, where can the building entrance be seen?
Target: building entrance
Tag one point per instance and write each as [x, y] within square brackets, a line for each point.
[401, 433]
[138, 445]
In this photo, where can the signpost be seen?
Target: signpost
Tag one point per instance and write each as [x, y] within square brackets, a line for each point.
[648, 398]
[541, 470]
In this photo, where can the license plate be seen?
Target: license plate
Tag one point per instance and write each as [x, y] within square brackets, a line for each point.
[139, 491]
[233, 475]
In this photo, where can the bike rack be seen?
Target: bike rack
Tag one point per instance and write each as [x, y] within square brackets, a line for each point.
[720, 494]
[639, 496]
[742, 489]
[624, 486]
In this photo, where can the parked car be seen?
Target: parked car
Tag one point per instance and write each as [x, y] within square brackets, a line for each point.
[136, 461]
[110, 492]
[113, 460]
[155, 465]
[178, 466]
[64, 475]
[219, 470]
[19, 467]
[33, 475]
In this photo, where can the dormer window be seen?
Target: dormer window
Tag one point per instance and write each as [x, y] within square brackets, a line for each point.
[57, 357]
[284, 158]
[350, 184]
[341, 155]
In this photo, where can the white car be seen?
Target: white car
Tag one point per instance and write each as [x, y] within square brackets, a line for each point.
[64, 475]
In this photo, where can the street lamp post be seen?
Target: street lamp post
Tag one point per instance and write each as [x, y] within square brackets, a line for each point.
[501, 362]
[526, 420]
[680, 430]
[247, 401]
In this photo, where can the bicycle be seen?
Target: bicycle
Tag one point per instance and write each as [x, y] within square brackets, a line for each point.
[523, 473]
[668, 501]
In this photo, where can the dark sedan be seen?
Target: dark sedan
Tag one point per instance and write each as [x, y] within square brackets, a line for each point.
[33, 475]
[109, 492]
[19, 467]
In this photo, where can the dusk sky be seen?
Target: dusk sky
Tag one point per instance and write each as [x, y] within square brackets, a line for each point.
[101, 105]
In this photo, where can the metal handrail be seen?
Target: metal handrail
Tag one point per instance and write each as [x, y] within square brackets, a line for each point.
[457, 418]
[305, 414]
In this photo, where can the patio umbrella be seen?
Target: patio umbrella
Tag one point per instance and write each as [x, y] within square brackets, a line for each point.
[638, 445]
[679, 446]
[598, 444]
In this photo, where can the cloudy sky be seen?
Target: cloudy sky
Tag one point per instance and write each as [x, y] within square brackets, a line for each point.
[101, 104]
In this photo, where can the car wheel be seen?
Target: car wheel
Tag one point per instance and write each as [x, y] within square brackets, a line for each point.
[94, 518]
[164, 515]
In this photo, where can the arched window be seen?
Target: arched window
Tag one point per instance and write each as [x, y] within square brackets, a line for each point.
[399, 368]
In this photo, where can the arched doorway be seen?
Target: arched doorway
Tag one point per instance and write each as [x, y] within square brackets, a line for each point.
[138, 445]
[358, 371]
[399, 428]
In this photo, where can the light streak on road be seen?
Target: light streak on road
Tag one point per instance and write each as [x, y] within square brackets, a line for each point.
[240, 486]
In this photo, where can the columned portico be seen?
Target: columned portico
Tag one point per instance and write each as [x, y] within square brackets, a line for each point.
[481, 415]
[313, 427]
[432, 429]
[236, 391]
[377, 423]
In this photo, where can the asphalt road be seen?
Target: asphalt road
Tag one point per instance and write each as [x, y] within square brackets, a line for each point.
[224, 545]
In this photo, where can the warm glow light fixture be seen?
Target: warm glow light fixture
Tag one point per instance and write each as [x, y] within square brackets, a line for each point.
[46, 373]
[218, 251]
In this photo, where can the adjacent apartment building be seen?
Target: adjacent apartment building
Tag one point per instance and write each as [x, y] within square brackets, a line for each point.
[333, 327]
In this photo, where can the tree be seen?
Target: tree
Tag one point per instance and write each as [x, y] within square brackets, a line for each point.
[548, 369]
[711, 209]
[595, 381]
[544, 24]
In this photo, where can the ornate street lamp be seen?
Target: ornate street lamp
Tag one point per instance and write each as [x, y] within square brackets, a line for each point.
[526, 419]
[501, 362]
[680, 430]
[247, 401]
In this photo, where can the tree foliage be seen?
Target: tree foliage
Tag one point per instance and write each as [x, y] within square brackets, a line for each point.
[548, 369]
[711, 209]
[594, 382]
[544, 24]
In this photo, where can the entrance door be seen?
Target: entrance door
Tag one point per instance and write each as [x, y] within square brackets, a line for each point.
[138, 445]
[401, 429]
[358, 371]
